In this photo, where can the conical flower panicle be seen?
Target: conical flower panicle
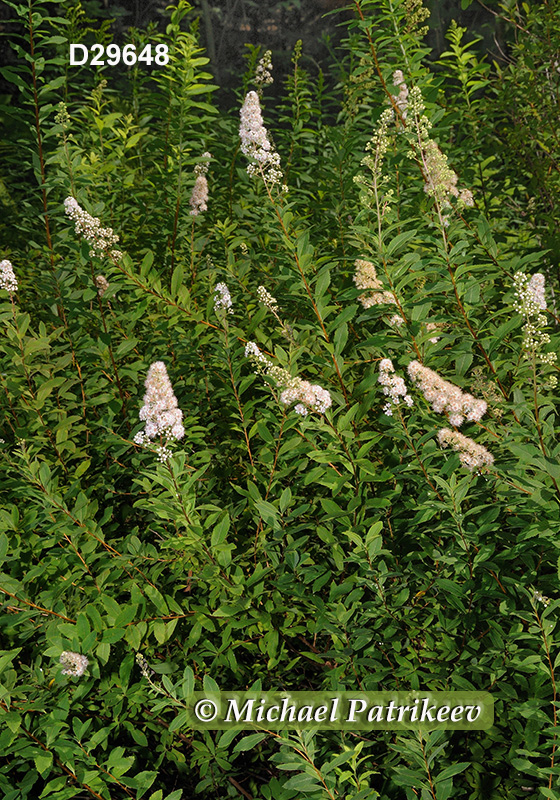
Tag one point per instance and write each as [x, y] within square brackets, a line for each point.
[255, 143]
[199, 195]
[160, 410]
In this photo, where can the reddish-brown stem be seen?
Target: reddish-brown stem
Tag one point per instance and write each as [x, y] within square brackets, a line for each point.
[34, 605]
[432, 787]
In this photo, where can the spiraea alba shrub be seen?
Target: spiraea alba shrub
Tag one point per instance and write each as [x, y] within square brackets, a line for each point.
[298, 432]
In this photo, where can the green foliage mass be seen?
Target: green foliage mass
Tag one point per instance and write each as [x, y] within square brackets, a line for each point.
[340, 548]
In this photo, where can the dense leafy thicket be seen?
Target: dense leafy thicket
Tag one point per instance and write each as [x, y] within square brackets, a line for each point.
[362, 489]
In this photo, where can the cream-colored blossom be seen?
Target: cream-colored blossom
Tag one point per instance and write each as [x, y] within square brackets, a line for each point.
[471, 455]
[400, 99]
[102, 284]
[73, 663]
[267, 299]
[199, 196]
[394, 387]
[365, 278]
[263, 72]
[530, 302]
[440, 181]
[255, 143]
[466, 198]
[101, 240]
[303, 395]
[8, 278]
[160, 410]
[222, 299]
[445, 397]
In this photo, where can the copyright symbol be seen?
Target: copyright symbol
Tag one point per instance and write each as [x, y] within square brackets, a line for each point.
[206, 710]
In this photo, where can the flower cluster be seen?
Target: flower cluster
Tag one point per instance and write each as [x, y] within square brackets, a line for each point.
[541, 598]
[199, 195]
[529, 294]
[440, 181]
[145, 668]
[373, 190]
[101, 240]
[8, 278]
[73, 663]
[255, 143]
[62, 117]
[267, 299]
[530, 302]
[377, 299]
[263, 74]
[415, 14]
[393, 386]
[535, 287]
[102, 284]
[465, 198]
[445, 397]
[262, 364]
[434, 326]
[400, 99]
[379, 143]
[160, 411]
[222, 299]
[472, 456]
[163, 453]
[365, 278]
[306, 396]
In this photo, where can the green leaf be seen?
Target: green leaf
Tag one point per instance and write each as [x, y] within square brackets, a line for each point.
[455, 769]
[176, 280]
[209, 684]
[302, 783]
[7, 657]
[43, 763]
[220, 531]
[248, 742]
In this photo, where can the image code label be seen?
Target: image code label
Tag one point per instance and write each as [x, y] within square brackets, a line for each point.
[98, 55]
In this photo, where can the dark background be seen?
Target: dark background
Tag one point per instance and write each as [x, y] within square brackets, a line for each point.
[225, 26]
